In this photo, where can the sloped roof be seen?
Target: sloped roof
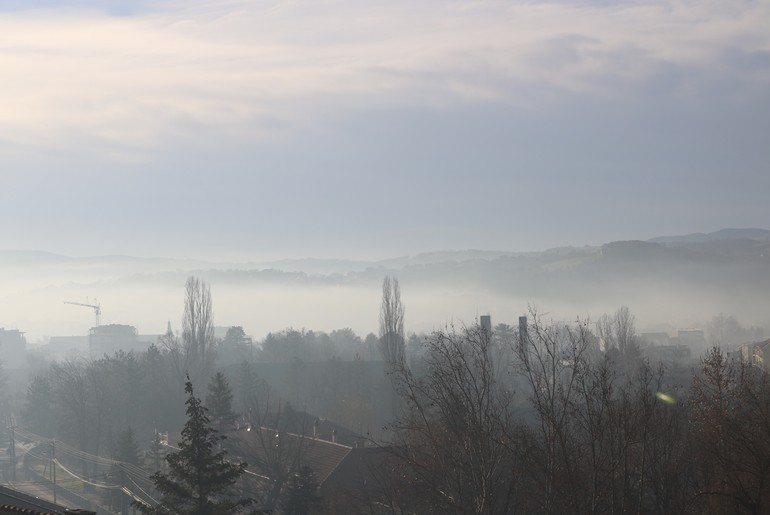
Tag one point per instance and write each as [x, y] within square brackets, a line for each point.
[303, 423]
[322, 456]
[8, 509]
[358, 467]
[14, 501]
[352, 475]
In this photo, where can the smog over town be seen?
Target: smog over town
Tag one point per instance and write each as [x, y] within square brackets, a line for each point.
[469, 256]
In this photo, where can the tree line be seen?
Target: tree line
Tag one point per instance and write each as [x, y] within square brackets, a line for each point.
[549, 422]
[547, 417]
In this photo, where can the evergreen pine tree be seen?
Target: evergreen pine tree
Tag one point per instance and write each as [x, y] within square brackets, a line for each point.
[156, 451]
[301, 497]
[199, 476]
[219, 402]
[126, 449]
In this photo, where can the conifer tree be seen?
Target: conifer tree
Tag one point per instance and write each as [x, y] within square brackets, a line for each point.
[126, 449]
[156, 451]
[199, 478]
[301, 496]
[219, 402]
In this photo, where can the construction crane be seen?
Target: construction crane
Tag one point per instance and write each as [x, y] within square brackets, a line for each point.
[95, 306]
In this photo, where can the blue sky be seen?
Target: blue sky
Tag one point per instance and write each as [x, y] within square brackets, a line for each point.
[340, 128]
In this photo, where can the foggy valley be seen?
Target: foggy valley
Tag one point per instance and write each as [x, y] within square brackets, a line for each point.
[298, 355]
[669, 285]
[387, 258]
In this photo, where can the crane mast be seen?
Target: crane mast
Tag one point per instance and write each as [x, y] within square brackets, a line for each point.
[95, 306]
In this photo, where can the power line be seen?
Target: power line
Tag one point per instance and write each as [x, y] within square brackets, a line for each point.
[142, 490]
[132, 472]
[85, 456]
[84, 480]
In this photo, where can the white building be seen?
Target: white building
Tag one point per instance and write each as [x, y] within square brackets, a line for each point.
[13, 348]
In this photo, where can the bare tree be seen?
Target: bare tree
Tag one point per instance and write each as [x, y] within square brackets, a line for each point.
[726, 330]
[617, 331]
[198, 327]
[620, 341]
[453, 436]
[731, 432]
[275, 455]
[629, 442]
[391, 324]
[551, 358]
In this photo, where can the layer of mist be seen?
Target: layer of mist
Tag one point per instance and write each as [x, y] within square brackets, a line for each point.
[669, 283]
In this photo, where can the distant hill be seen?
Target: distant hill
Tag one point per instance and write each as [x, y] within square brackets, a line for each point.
[29, 256]
[723, 234]
[668, 279]
[316, 266]
[732, 242]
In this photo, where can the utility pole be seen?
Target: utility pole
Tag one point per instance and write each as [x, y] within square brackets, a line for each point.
[53, 467]
[156, 450]
[13, 449]
[124, 495]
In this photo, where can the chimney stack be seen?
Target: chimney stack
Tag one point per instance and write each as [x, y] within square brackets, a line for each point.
[523, 333]
[485, 321]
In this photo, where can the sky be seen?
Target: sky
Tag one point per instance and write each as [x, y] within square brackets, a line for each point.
[267, 129]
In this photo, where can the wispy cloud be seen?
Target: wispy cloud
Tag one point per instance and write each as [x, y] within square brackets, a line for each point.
[78, 79]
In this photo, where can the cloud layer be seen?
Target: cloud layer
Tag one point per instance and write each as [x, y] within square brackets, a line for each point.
[80, 80]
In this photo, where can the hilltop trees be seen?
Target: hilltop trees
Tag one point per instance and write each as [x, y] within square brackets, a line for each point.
[199, 477]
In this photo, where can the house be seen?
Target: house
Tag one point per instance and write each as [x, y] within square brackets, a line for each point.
[108, 339]
[756, 354]
[668, 353]
[349, 477]
[13, 348]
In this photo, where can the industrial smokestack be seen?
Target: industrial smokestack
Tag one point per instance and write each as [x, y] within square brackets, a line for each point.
[485, 321]
[523, 333]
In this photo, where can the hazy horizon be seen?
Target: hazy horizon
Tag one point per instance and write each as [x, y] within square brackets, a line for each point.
[244, 132]
[256, 259]
[272, 129]
[666, 292]
[293, 158]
